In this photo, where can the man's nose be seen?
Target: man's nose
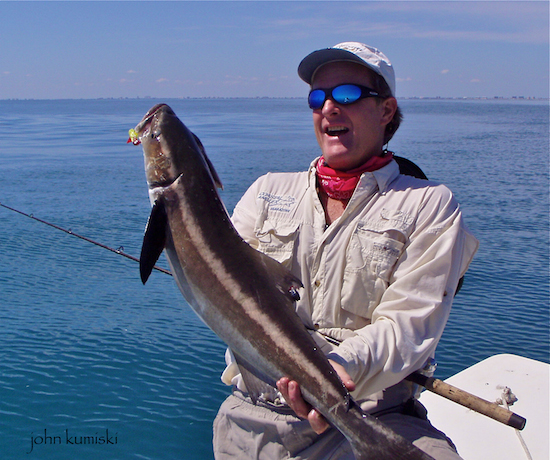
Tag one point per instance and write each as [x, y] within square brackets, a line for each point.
[330, 107]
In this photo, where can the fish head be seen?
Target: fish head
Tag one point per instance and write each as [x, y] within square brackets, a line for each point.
[166, 142]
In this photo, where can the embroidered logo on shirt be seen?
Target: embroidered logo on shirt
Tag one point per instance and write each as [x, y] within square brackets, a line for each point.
[277, 202]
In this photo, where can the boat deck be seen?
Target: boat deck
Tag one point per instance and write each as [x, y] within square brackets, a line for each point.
[478, 437]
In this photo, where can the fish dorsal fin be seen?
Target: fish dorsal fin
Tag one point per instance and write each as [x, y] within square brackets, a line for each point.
[213, 172]
[154, 240]
[285, 281]
[256, 383]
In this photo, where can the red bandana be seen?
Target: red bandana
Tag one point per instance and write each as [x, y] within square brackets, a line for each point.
[341, 184]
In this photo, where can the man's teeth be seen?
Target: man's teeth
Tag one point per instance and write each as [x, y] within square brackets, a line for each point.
[336, 130]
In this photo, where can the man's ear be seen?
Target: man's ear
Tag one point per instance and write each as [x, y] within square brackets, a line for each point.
[389, 106]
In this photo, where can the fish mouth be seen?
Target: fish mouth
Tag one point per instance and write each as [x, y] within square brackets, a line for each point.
[148, 118]
[336, 130]
[143, 128]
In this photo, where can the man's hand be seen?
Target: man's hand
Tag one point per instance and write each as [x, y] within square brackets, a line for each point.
[293, 396]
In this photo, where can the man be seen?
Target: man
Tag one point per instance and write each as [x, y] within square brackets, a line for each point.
[380, 255]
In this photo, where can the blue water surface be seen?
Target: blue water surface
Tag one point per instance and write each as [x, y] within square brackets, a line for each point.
[89, 354]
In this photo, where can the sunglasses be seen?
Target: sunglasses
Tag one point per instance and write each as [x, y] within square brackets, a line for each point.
[342, 94]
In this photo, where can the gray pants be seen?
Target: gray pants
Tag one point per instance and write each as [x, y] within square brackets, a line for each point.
[244, 431]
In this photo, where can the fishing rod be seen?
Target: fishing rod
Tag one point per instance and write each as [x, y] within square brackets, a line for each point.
[436, 386]
[119, 251]
[475, 403]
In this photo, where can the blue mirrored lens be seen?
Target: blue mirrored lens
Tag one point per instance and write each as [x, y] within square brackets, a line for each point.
[316, 99]
[346, 94]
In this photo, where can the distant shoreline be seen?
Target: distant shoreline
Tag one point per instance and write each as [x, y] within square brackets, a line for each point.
[410, 98]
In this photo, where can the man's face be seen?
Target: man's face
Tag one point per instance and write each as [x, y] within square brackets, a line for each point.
[350, 134]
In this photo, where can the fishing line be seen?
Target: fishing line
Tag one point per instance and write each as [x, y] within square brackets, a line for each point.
[119, 251]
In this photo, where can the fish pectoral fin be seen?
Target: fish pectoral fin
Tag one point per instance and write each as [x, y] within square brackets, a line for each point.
[154, 240]
[213, 172]
[256, 384]
[285, 281]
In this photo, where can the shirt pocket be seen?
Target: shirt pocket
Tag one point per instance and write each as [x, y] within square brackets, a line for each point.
[276, 239]
[371, 256]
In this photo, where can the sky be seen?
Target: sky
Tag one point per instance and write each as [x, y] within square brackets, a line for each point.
[95, 49]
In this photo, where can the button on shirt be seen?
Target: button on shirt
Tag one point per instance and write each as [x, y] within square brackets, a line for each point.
[375, 279]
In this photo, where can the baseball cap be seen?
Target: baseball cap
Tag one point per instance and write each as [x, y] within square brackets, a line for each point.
[352, 52]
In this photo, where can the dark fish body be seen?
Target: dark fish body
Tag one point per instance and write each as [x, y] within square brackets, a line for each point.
[244, 296]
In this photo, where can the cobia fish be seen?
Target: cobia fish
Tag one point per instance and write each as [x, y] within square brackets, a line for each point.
[244, 296]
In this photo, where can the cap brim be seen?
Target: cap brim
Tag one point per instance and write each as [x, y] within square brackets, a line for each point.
[313, 61]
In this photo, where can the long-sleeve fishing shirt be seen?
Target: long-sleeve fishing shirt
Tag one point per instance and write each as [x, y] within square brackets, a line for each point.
[380, 279]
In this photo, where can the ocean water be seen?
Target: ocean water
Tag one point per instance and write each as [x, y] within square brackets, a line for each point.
[95, 365]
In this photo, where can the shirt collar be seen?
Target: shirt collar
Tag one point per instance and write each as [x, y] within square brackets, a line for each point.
[386, 175]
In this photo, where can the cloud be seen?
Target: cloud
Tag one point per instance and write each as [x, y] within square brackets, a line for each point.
[492, 21]
[528, 36]
[445, 71]
[161, 80]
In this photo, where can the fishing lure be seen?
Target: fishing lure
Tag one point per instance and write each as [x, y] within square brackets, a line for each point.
[134, 139]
